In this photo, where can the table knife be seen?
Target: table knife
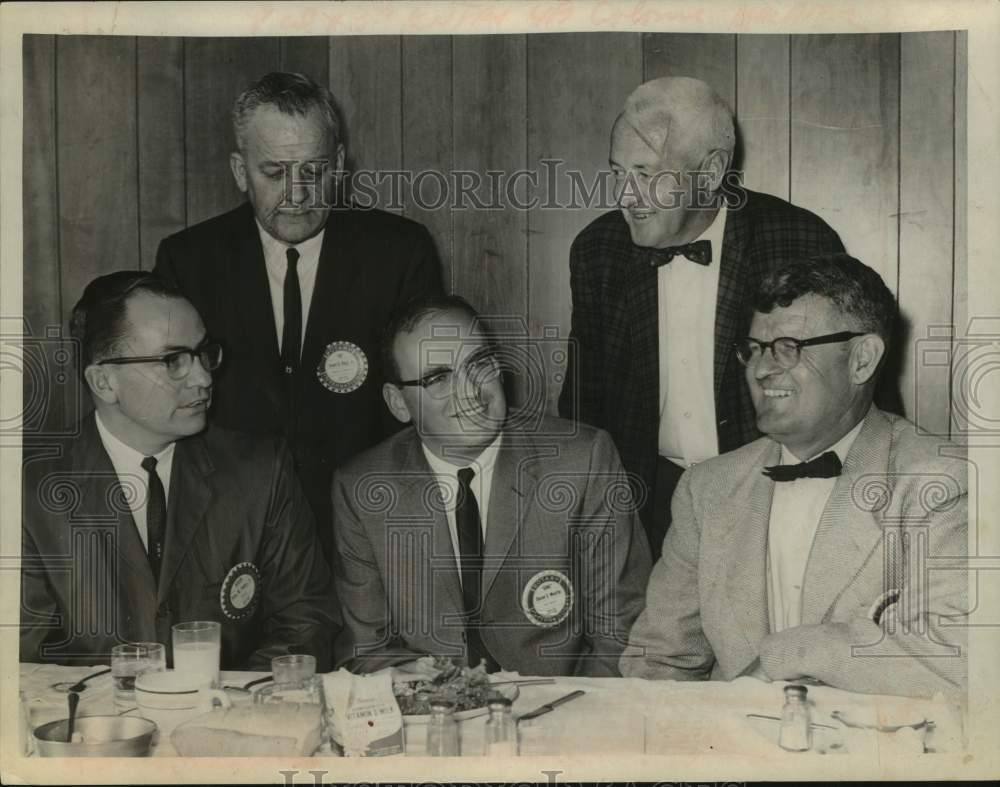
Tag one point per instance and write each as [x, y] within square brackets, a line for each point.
[543, 709]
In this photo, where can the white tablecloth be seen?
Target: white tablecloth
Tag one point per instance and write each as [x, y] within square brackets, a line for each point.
[616, 715]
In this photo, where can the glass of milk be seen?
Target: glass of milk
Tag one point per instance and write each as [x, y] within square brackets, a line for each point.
[198, 647]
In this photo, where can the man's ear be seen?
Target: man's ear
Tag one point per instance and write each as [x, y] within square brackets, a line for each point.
[396, 404]
[338, 160]
[717, 164]
[868, 351]
[100, 383]
[239, 169]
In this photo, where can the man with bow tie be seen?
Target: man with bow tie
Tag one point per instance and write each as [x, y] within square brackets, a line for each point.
[832, 548]
[660, 290]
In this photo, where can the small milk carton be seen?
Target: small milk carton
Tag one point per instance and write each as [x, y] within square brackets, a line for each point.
[363, 714]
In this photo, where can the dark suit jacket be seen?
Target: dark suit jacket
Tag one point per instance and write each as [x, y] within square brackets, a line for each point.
[612, 380]
[556, 503]
[86, 580]
[371, 262]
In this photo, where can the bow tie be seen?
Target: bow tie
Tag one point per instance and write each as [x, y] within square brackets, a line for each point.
[700, 251]
[824, 466]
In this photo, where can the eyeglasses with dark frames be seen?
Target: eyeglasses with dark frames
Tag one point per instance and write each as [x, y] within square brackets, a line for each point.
[481, 367]
[786, 350]
[178, 362]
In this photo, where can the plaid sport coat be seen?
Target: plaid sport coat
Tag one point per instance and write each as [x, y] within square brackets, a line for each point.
[612, 377]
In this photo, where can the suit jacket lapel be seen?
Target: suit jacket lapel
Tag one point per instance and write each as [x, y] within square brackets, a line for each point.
[190, 496]
[733, 279]
[101, 498]
[252, 294]
[338, 267]
[848, 531]
[511, 494]
[419, 493]
[746, 558]
[642, 314]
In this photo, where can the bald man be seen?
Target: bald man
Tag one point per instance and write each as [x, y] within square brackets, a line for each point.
[660, 290]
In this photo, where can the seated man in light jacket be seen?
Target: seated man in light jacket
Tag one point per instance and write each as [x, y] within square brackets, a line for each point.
[784, 568]
[481, 534]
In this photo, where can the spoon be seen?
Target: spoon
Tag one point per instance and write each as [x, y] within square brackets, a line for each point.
[74, 700]
[80, 685]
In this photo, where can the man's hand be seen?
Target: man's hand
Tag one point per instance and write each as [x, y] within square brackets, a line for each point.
[755, 671]
[417, 669]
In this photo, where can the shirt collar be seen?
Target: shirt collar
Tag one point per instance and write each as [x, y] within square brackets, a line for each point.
[274, 248]
[482, 464]
[124, 454]
[841, 448]
[714, 232]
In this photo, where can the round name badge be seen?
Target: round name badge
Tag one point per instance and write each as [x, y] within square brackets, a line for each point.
[547, 598]
[238, 596]
[343, 367]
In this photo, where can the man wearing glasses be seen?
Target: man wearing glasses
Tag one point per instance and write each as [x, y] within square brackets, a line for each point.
[804, 554]
[147, 519]
[475, 534]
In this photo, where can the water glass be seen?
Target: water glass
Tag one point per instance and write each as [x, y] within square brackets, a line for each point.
[293, 668]
[129, 661]
[198, 648]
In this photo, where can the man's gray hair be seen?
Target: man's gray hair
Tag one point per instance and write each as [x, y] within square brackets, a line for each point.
[684, 112]
[292, 94]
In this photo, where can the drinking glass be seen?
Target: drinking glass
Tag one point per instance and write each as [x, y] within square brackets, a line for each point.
[129, 661]
[198, 648]
[293, 668]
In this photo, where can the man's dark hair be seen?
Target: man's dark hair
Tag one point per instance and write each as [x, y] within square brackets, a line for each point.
[98, 320]
[409, 315]
[856, 289]
[292, 94]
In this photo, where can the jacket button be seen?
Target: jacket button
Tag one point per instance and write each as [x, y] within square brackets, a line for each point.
[163, 611]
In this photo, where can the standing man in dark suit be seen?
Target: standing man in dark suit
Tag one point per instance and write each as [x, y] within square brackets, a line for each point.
[298, 292]
[145, 519]
[651, 358]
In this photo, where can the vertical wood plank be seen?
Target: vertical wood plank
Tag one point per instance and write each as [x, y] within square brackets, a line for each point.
[98, 186]
[216, 70]
[960, 283]
[43, 407]
[845, 137]
[577, 85]
[309, 55]
[763, 99]
[427, 138]
[926, 209]
[365, 78]
[489, 134]
[710, 57]
[162, 198]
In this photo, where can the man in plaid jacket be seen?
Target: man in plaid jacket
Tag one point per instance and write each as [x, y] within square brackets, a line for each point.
[651, 358]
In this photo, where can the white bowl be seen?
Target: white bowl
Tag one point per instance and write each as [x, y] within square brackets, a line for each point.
[172, 690]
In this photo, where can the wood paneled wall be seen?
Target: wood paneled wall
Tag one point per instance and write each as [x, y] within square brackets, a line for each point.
[127, 140]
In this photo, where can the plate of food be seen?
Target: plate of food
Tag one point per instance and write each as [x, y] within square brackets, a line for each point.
[469, 688]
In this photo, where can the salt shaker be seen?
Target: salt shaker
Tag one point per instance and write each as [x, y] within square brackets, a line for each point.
[442, 730]
[501, 735]
[796, 726]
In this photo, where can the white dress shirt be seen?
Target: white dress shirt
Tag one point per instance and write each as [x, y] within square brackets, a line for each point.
[482, 483]
[686, 296]
[128, 467]
[276, 262]
[796, 509]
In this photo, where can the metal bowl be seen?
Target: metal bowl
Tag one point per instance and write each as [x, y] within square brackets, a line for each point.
[103, 736]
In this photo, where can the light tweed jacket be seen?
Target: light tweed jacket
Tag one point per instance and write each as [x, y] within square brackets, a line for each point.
[896, 520]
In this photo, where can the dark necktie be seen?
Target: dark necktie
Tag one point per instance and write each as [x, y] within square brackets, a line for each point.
[824, 466]
[700, 251]
[470, 546]
[156, 516]
[291, 336]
